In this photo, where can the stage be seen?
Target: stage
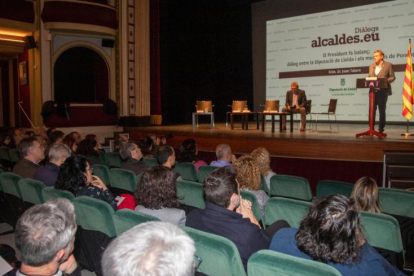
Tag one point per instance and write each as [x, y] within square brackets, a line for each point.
[324, 145]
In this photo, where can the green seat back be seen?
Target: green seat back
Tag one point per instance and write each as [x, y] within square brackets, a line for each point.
[14, 155]
[290, 186]
[191, 193]
[330, 187]
[1, 170]
[102, 172]
[382, 231]
[204, 171]
[9, 182]
[187, 171]
[219, 255]
[94, 214]
[397, 202]
[123, 179]
[113, 159]
[31, 190]
[255, 205]
[151, 162]
[269, 262]
[50, 193]
[264, 184]
[291, 210]
[125, 219]
[4, 153]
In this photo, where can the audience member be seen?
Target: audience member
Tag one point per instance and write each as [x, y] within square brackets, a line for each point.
[32, 152]
[29, 133]
[131, 155]
[188, 153]
[224, 156]
[49, 132]
[157, 143]
[365, 194]
[166, 156]
[56, 138]
[156, 195]
[5, 140]
[48, 174]
[89, 149]
[151, 248]
[76, 136]
[45, 236]
[17, 135]
[70, 142]
[94, 137]
[261, 155]
[332, 233]
[76, 177]
[248, 176]
[146, 145]
[228, 215]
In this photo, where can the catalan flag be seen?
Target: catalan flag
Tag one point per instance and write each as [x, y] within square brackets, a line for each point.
[407, 111]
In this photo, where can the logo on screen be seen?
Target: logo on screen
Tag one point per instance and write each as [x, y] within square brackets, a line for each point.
[342, 82]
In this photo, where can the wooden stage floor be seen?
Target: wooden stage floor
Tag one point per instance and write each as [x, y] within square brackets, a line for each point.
[325, 145]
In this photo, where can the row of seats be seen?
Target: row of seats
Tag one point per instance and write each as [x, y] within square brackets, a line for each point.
[9, 157]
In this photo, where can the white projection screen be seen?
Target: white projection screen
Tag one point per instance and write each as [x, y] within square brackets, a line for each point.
[326, 52]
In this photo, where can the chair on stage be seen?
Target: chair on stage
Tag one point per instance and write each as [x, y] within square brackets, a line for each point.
[203, 108]
[271, 105]
[237, 106]
[331, 112]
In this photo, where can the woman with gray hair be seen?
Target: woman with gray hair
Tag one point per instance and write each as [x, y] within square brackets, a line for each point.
[131, 155]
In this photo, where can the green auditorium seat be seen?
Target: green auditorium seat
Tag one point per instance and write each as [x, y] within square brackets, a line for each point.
[125, 219]
[397, 202]
[187, 171]
[383, 231]
[12, 204]
[4, 156]
[191, 193]
[293, 211]
[219, 255]
[14, 155]
[31, 191]
[268, 262]
[330, 187]
[2, 170]
[102, 172]
[290, 186]
[264, 184]
[94, 214]
[9, 182]
[50, 193]
[255, 205]
[113, 159]
[204, 171]
[151, 162]
[122, 181]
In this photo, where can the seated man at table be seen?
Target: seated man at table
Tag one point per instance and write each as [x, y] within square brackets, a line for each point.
[295, 102]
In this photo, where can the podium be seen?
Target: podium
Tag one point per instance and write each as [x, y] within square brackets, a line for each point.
[372, 84]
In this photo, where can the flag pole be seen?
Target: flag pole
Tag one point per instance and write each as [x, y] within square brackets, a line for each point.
[410, 88]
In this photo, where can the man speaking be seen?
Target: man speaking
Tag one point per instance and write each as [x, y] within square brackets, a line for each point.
[381, 69]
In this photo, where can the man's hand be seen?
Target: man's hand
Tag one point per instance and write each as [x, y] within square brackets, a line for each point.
[245, 209]
[69, 265]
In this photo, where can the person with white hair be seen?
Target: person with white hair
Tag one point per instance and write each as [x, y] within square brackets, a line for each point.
[49, 173]
[45, 237]
[150, 249]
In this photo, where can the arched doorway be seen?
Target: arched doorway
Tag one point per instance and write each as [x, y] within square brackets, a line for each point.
[81, 75]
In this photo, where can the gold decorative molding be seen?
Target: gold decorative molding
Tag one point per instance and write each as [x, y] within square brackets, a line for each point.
[87, 28]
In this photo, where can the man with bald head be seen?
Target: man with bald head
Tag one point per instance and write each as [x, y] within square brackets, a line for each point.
[224, 156]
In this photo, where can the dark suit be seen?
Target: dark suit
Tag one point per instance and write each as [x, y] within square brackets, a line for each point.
[301, 102]
[381, 96]
[25, 168]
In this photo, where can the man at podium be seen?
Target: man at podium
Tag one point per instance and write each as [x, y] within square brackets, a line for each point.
[381, 69]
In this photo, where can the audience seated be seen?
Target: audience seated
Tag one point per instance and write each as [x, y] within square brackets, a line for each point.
[188, 153]
[151, 248]
[224, 156]
[228, 215]
[17, 136]
[89, 149]
[45, 236]
[331, 233]
[76, 136]
[366, 196]
[131, 155]
[70, 142]
[76, 177]
[261, 155]
[94, 137]
[157, 143]
[248, 176]
[5, 140]
[32, 152]
[49, 172]
[56, 138]
[146, 145]
[156, 195]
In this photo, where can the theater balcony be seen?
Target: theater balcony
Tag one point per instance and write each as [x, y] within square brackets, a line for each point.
[79, 16]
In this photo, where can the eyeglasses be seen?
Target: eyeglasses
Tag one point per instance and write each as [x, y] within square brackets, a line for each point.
[197, 262]
[90, 169]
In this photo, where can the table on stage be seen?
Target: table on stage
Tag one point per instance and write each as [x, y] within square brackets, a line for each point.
[245, 119]
[273, 114]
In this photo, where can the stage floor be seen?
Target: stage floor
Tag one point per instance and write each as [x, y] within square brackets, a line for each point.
[326, 145]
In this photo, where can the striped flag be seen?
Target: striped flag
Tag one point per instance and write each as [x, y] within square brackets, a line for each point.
[407, 111]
